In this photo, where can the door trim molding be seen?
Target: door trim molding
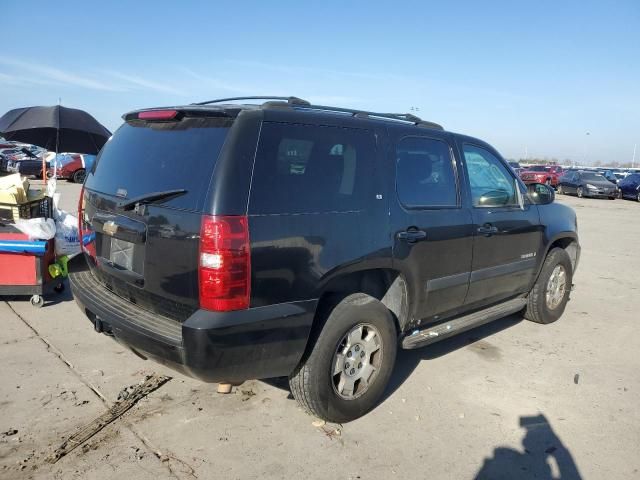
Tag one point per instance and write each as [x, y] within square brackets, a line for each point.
[449, 281]
[504, 269]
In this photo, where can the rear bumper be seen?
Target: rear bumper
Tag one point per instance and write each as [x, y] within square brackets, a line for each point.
[234, 346]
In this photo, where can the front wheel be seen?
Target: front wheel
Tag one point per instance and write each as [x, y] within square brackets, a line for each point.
[580, 192]
[549, 296]
[560, 191]
[348, 366]
[638, 196]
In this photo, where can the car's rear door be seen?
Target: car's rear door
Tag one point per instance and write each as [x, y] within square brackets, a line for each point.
[147, 251]
[431, 226]
[507, 233]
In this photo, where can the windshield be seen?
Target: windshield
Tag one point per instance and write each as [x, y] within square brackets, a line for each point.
[538, 168]
[592, 176]
[142, 158]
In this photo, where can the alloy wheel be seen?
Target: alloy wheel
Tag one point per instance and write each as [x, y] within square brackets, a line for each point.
[356, 361]
[556, 287]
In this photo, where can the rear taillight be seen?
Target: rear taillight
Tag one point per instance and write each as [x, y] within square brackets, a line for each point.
[224, 264]
[86, 235]
[80, 215]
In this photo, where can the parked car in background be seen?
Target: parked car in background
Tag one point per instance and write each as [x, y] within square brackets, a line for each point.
[587, 184]
[30, 168]
[629, 187]
[286, 242]
[610, 175]
[516, 167]
[547, 174]
[26, 163]
[72, 166]
[10, 153]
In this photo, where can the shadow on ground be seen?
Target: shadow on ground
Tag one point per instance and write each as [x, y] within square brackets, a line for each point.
[544, 456]
[408, 360]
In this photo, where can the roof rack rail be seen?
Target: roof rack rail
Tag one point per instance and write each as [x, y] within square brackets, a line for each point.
[296, 102]
[404, 117]
[289, 100]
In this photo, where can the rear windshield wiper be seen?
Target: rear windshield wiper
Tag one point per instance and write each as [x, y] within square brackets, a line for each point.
[150, 197]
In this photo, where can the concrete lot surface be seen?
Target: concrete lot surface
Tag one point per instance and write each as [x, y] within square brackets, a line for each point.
[511, 400]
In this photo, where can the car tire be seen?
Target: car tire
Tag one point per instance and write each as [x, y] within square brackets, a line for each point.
[549, 296]
[78, 175]
[580, 192]
[358, 329]
[638, 196]
[559, 190]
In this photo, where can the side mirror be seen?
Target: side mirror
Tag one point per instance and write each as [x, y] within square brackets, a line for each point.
[541, 194]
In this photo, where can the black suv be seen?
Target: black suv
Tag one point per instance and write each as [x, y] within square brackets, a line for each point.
[238, 241]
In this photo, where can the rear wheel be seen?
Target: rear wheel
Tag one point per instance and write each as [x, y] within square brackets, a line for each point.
[346, 370]
[638, 196]
[580, 192]
[550, 294]
[560, 191]
[78, 176]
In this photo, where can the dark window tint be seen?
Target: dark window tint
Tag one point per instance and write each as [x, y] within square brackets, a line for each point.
[424, 173]
[586, 176]
[309, 169]
[492, 184]
[142, 158]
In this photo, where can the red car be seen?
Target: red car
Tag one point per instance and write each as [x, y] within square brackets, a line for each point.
[71, 166]
[549, 174]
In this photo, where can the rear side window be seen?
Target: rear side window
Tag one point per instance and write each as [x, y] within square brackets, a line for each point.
[143, 157]
[311, 169]
[424, 173]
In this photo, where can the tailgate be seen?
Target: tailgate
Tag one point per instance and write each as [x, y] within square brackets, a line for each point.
[144, 199]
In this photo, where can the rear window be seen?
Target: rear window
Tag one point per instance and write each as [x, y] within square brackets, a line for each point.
[142, 158]
[311, 169]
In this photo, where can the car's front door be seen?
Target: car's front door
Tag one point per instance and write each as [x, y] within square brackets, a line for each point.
[568, 182]
[507, 233]
[432, 230]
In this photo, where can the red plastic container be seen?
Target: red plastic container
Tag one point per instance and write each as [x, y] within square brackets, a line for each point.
[24, 273]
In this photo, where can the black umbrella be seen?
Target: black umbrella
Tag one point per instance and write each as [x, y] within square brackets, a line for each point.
[56, 128]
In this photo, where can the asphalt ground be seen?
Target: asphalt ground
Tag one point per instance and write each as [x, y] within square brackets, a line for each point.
[509, 400]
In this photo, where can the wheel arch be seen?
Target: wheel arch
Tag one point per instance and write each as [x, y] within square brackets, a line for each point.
[387, 285]
[568, 241]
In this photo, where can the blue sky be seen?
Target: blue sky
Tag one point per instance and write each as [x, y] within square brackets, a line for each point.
[524, 76]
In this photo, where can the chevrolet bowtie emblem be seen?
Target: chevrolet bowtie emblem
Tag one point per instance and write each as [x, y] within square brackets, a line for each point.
[110, 228]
